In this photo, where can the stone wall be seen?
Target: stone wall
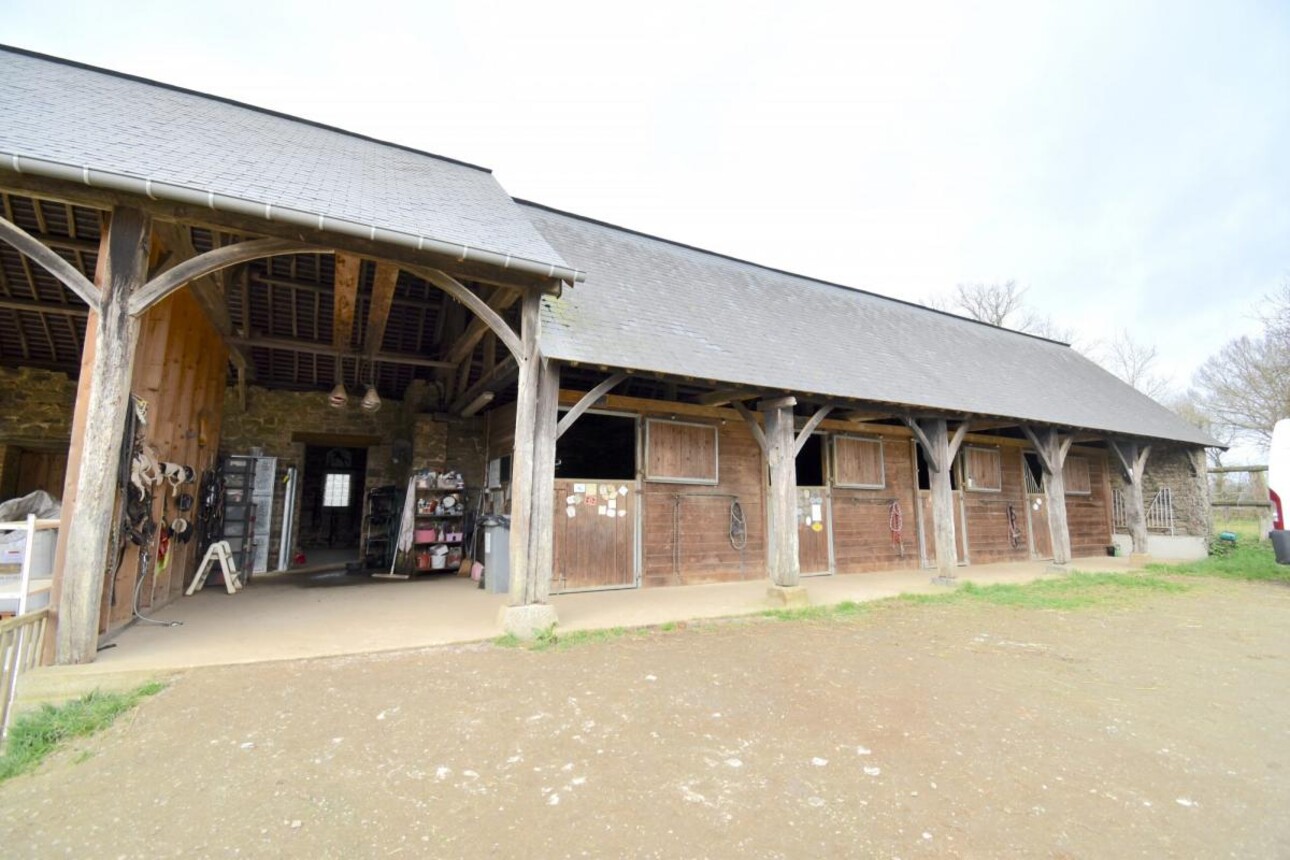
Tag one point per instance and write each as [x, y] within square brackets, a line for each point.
[1181, 468]
[405, 440]
[35, 413]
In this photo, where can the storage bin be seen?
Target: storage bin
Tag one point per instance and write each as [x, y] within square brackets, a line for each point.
[426, 535]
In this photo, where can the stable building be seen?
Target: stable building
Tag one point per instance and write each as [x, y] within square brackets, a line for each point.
[299, 318]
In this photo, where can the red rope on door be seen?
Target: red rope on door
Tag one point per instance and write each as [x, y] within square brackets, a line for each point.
[896, 522]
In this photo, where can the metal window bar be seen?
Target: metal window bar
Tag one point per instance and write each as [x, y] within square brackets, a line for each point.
[1119, 510]
[1160, 513]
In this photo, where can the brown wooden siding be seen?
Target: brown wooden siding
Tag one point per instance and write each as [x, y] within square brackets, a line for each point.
[180, 367]
[1087, 515]
[686, 531]
[988, 532]
[862, 537]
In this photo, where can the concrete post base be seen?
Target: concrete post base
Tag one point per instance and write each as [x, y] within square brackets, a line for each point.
[1054, 567]
[1139, 559]
[947, 581]
[780, 596]
[526, 622]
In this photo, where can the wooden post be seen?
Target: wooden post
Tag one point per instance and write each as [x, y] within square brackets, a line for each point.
[782, 562]
[542, 518]
[1132, 459]
[939, 462]
[526, 399]
[1052, 448]
[87, 530]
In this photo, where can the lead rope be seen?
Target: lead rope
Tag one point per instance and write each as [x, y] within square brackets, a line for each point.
[1014, 530]
[896, 522]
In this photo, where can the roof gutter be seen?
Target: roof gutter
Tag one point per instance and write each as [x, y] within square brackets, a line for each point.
[172, 193]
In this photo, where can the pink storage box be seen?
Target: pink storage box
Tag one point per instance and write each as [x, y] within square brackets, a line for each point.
[453, 536]
[426, 535]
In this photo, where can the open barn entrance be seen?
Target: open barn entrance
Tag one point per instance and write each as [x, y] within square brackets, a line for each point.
[331, 503]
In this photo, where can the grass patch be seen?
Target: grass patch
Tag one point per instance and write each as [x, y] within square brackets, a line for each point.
[551, 639]
[1073, 591]
[1248, 561]
[1245, 529]
[35, 735]
[835, 612]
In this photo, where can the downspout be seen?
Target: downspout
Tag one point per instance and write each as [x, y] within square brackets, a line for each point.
[172, 193]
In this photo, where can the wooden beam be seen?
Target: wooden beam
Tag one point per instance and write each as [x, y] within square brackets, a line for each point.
[499, 377]
[477, 305]
[210, 291]
[1132, 459]
[957, 440]
[930, 452]
[208, 264]
[344, 300]
[1051, 448]
[38, 307]
[89, 516]
[785, 402]
[67, 274]
[1041, 448]
[936, 432]
[820, 415]
[500, 301]
[378, 313]
[782, 561]
[753, 426]
[315, 348]
[728, 395]
[542, 517]
[522, 458]
[588, 400]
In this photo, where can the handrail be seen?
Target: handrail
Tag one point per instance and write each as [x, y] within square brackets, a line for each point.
[22, 524]
[19, 651]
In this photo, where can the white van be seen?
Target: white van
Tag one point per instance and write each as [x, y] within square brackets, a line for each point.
[1279, 488]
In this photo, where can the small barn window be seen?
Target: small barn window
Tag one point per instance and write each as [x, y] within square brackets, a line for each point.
[858, 462]
[1078, 482]
[982, 469]
[336, 490]
[679, 452]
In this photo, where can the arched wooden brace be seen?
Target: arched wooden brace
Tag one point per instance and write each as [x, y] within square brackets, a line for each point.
[211, 262]
[48, 260]
[478, 306]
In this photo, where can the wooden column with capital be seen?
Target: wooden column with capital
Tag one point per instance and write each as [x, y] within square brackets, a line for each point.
[103, 398]
[1052, 448]
[782, 562]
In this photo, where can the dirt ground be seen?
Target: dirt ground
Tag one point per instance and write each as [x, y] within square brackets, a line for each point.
[1155, 729]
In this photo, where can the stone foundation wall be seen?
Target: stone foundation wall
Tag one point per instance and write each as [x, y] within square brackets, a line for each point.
[406, 440]
[1181, 468]
[35, 413]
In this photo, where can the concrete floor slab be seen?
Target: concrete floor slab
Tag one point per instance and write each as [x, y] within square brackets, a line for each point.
[298, 616]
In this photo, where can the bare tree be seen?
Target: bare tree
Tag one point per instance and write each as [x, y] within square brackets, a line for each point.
[1246, 386]
[1001, 304]
[1132, 361]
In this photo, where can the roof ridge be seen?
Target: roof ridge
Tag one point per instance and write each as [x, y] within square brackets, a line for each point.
[63, 61]
[535, 205]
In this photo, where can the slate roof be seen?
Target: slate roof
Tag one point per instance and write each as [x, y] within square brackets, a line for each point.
[64, 112]
[655, 305]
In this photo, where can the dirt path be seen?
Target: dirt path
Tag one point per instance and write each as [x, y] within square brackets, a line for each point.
[1155, 730]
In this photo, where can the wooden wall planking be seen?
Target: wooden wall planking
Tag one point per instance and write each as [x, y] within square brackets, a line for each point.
[987, 513]
[686, 527]
[862, 537]
[1087, 515]
[180, 367]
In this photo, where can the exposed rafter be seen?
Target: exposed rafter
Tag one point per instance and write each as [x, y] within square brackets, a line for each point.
[47, 259]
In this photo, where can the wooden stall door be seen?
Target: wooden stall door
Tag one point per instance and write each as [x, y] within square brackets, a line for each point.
[814, 531]
[1041, 540]
[595, 535]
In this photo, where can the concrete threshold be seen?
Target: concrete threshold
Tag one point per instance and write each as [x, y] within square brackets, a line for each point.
[295, 617]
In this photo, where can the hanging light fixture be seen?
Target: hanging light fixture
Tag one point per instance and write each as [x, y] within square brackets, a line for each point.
[339, 397]
[371, 400]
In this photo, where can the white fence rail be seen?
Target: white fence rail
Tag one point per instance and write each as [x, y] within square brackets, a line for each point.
[20, 643]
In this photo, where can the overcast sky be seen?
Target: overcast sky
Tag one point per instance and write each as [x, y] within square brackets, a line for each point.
[1128, 162]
